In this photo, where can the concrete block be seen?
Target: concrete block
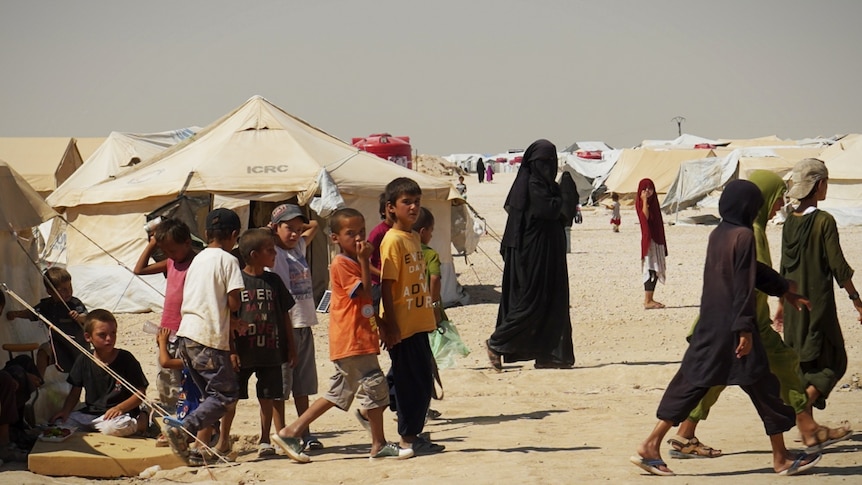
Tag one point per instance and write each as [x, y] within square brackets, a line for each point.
[99, 456]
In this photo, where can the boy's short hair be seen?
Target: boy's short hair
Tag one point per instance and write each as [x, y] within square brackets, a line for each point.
[176, 229]
[424, 220]
[221, 223]
[615, 196]
[254, 240]
[338, 217]
[98, 315]
[381, 208]
[54, 276]
[401, 186]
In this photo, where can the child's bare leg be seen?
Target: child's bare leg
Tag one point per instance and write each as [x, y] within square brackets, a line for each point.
[650, 448]
[813, 395]
[687, 429]
[301, 404]
[266, 414]
[316, 410]
[649, 302]
[223, 444]
[375, 419]
[205, 436]
[278, 413]
[42, 359]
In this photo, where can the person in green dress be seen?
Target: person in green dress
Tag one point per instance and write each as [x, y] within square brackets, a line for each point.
[811, 255]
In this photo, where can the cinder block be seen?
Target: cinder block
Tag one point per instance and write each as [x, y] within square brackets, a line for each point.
[99, 456]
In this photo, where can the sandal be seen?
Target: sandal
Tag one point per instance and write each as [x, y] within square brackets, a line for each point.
[825, 436]
[493, 357]
[691, 448]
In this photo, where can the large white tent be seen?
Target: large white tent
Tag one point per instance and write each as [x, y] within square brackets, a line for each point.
[257, 152]
[21, 208]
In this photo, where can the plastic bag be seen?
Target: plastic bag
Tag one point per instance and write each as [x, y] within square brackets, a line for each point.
[446, 344]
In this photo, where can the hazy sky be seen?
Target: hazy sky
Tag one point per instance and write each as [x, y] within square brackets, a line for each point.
[457, 76]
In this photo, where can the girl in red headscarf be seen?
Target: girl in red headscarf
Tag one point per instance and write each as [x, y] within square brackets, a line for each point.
[653, 246]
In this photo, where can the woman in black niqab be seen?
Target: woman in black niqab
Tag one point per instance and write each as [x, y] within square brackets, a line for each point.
[480, 170]
[533, 321]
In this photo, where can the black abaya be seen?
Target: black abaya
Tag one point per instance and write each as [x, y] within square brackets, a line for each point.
[533, 320]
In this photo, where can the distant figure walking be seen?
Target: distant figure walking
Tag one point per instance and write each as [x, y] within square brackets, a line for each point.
[489, 173]
[533, 321]
[569, 192]
[480, 170]
[653, 246]
[616, 218]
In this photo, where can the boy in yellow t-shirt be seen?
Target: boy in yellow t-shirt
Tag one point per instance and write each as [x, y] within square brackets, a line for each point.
[353, 345]
[408, 312]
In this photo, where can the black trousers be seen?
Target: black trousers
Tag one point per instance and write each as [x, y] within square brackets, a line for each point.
[411, 383]
[681, 397]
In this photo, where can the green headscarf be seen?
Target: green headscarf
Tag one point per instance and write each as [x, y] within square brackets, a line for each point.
[772, 187]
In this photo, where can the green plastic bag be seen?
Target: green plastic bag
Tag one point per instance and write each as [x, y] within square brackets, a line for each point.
[446, 344]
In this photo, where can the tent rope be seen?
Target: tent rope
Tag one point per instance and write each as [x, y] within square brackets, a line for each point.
[152, 404]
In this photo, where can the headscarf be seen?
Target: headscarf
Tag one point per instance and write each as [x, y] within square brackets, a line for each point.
[772, 188]
[538, 157]
[654, 227]
[740, 203]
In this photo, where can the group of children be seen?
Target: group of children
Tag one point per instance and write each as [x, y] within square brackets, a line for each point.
[734, 343]
[244, 306]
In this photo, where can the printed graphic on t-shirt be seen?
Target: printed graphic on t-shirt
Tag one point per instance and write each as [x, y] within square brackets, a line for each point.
[416, 295]
[258, 309]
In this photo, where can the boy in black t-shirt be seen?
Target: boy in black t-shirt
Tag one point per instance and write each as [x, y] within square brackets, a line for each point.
[63, 310]
[109, 406]
[265, 302]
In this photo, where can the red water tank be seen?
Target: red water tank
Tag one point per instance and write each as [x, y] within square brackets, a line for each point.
[393, 148]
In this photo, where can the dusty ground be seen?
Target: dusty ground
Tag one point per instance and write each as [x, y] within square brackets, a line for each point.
[553, 426]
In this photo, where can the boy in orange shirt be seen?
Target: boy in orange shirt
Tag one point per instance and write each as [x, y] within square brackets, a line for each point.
[353, 344]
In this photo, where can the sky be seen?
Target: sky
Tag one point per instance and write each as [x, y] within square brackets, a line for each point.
[457, 76]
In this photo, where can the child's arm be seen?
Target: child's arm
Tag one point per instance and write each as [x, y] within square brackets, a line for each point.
[436, 299]
[68, 406]
[309, 230]
[141, 267]
[233, 302]
[26, 314]
[390, 334]
[165, 359]
[363, 252]
[125, 406]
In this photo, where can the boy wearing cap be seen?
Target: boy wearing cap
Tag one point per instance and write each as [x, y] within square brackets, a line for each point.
[211, 292]
[293, 232]
[811, 255]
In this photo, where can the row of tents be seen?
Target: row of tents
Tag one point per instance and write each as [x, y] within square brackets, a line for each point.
[249, 160]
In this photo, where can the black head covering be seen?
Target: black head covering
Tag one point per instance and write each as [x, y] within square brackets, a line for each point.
[740, 203]
[538, 151]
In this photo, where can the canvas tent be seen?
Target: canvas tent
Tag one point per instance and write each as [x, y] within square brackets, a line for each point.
[698, 178]
[257, 152]
[659, 165]
[45, 163]
[21, 208]
[844, 196]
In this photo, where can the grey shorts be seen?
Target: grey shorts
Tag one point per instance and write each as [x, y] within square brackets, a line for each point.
[359, 376]
[302, 379]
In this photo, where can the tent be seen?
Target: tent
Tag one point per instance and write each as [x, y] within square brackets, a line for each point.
[45, 163]
[844, 197]
[21, 208]
[698, 178]
[659, 165]
[258, 152]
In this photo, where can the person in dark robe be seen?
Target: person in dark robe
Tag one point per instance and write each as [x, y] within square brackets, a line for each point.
[569, 192]
[480, 170]
[533, 321]
[725, 347]
[653, 245]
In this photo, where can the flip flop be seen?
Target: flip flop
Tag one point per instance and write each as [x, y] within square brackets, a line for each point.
[291, 446]
[797, 467]
[176, 436]
[826, 440]
[651, 465]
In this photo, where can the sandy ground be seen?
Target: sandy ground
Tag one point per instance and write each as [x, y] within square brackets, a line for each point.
[551, 426]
